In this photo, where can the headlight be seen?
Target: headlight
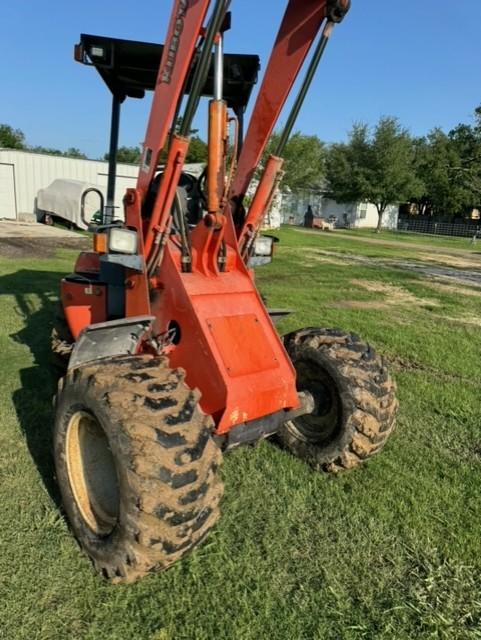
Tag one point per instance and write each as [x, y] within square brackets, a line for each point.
[97, 52]
[122, 241]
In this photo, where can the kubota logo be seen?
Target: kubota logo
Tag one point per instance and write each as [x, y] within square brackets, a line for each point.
[166, 74]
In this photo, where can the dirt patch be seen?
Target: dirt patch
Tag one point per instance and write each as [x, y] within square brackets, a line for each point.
[381, 240]
[324, 257]
[470, 276]
[469, 319]
[40, 247]
[397, 363]
[451, 261]
[394, 295]
[311, 257]
[455, 290]
[359, 305]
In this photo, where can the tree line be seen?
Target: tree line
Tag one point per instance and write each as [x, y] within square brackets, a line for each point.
[11, 138]
[437, 174]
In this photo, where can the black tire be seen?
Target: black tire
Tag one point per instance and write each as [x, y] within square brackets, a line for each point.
[355, 400]
[136, 465]
[48, 219]
[61, 341]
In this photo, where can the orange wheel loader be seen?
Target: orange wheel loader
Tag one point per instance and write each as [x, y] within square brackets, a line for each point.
[168, 354]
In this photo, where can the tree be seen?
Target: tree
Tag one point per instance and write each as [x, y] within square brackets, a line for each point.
[435, 160]
[466, 142]
[375, 167]
[72, 152]
[128, 155]
[11, 138]
[131, 155]
[197, 150]
[449, 166]
[46, 150]
[304, 164]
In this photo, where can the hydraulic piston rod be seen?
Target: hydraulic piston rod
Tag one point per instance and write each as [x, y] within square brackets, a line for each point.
[217, 133]
[203, 63]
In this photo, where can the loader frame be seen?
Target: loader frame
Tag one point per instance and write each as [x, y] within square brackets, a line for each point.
[194, 284]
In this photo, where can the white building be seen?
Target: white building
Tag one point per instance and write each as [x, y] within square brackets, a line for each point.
[357, 215]
[23, 174]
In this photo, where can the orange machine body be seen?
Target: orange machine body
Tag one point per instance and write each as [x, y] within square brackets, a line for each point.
[84, 303]
[225, 341]
[209, 318]
[227, 344]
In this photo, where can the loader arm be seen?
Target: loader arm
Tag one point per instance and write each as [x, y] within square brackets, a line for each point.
[299, 29]
[182, 36]
[300, 26]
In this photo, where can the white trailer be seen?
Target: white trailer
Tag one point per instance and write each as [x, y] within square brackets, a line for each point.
[23, 174]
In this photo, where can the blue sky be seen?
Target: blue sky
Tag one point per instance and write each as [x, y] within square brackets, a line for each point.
[418, 60]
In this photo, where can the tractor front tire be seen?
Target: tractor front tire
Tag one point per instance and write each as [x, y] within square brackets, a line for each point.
[355, 402]
[136, 465]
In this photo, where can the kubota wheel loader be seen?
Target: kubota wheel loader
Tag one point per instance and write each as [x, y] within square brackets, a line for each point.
[170, 356]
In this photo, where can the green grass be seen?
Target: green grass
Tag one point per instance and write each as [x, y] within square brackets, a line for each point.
[390, 551]
[387, 244]
[432, 241]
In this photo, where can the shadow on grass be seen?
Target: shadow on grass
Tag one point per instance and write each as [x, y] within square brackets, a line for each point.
[35, 294]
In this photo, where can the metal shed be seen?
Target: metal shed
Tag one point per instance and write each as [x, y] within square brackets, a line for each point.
[22, 174]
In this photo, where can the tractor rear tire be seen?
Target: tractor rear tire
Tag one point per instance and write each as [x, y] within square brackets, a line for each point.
[61, 341]
[136, 465]
[354, 397]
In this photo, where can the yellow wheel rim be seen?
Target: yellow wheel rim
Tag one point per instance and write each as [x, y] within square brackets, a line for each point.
[92, 473]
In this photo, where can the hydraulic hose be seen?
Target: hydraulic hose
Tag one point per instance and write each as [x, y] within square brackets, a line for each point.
[321, 46]
[336, 12]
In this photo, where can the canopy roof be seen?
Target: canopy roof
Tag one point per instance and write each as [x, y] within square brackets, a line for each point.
[129, 68]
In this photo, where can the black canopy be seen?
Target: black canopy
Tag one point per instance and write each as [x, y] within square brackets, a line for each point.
[129, 68]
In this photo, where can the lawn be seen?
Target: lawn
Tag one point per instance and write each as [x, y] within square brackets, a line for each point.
[434, 241]
[389, 551]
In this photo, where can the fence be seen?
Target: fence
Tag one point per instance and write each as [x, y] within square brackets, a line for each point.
[462, 230]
